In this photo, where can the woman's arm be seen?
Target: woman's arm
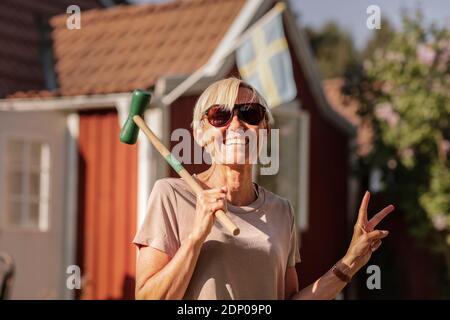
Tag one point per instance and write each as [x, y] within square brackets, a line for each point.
[329, 285]
[162, 277]
[326, 287]
[364, 242]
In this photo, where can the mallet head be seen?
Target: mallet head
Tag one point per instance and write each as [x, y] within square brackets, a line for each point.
[139, 102]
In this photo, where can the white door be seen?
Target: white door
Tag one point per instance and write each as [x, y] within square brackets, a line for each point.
[32, 171]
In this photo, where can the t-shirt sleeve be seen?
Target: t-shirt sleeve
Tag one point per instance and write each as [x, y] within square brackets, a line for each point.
[160, 227]
[294, 252]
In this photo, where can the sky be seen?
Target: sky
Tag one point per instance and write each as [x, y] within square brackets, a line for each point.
[352, 16]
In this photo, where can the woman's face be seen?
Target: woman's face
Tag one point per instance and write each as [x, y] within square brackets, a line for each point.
[237, 142]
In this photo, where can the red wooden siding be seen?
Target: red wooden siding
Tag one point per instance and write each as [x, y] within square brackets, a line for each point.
[181, 117]
[21, 67]
[107, 208]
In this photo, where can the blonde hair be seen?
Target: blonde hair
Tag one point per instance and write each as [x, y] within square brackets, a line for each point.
[225, 92]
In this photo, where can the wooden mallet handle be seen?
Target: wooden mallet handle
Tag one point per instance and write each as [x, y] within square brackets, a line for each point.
[182, 172]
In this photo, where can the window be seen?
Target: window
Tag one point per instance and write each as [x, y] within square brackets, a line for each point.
[292, 179]
[27, 184]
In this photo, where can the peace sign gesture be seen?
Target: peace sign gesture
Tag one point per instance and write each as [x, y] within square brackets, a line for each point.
[365, 238]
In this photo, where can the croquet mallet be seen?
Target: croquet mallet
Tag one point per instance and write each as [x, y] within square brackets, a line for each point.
[129, 134]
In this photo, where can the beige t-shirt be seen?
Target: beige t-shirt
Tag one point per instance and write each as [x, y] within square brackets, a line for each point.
[251, 265]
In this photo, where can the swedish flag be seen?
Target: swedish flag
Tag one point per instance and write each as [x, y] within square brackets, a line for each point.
[264, 61]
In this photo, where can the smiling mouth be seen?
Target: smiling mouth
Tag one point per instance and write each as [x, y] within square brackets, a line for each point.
[233, 142]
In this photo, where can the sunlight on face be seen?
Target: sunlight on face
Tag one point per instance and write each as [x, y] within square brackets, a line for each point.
[238, 142]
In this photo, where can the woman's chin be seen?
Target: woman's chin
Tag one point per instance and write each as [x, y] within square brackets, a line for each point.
[233, 159]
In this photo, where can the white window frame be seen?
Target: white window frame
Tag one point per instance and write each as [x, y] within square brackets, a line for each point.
[44, 224]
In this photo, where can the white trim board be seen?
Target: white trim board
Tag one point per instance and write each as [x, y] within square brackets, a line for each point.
[247, 14]
[70, 224]
[69, 103]
[151, 166]
[304, 155]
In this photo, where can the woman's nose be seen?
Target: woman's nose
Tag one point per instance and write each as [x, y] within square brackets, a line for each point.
[235, 122]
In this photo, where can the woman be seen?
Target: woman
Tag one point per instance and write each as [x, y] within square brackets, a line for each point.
[183, 254]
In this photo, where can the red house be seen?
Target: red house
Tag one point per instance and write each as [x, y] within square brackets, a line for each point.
[82, 194]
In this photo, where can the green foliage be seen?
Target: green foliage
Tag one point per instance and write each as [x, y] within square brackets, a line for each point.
[381, 38]
[333, 49]
[404, 90]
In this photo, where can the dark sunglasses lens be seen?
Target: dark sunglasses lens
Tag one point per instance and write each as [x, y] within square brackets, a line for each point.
[218, 116]
[252, 113]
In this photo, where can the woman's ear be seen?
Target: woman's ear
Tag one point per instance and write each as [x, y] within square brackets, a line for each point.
[199, 135]
[266, 125]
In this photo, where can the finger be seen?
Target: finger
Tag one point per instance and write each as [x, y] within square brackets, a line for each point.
[375, 245]
[362, 215]
[363, 228]
[215, 190]
[376, 219]
[217, 206]
[377, 234]
[213, 202]
[216, 194]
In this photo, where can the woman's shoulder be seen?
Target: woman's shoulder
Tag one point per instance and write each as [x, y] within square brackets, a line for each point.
[274, 199]
[169, 185]
[278, 205]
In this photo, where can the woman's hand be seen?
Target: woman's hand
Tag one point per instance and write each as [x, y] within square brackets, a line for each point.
[208, 202]
[365, 238]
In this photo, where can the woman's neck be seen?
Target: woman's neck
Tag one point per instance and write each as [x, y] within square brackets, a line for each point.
[237, 179]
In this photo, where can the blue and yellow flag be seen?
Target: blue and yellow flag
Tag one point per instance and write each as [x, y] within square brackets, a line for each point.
[264, 61]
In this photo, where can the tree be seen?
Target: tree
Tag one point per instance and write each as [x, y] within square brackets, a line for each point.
[381, 38]
[354, 74]
[404, 91]
[333, 49]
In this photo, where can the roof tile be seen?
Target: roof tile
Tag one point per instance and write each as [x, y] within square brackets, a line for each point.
[124, 47]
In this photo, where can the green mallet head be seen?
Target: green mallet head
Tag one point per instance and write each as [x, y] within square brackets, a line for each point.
[139, 102]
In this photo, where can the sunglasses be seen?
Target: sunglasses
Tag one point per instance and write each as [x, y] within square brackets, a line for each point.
[219, 115]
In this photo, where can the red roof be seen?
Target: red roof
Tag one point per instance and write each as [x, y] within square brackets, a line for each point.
[127, 47]
[20, 58]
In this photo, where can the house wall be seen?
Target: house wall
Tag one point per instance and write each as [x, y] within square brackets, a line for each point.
[181, 112]
[19, 29]
[107, 208]
[326, 239]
